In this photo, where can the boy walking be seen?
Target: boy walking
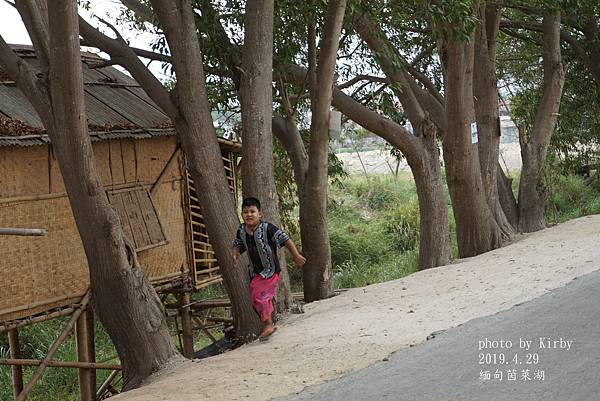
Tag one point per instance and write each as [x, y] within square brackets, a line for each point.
[262, 239]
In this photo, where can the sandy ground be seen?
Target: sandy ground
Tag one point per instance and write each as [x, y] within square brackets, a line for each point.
[379, 161]
[364, 325]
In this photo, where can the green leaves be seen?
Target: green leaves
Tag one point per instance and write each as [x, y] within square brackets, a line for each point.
[455, 18]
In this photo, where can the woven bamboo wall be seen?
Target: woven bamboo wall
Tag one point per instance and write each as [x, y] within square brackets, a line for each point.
[39, 273]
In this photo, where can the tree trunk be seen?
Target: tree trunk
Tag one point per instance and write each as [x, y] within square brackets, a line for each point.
[199, 140]
[434, 234]
[486, 110]
[421, 153]
[476, 228]
[422, 156]
[313, 217]
[124, 300]
[256, 98]
[507, 197]
[532, 191]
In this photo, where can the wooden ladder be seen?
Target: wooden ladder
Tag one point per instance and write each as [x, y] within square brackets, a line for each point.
[205, 265]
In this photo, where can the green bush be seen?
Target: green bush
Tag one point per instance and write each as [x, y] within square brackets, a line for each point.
[570, 197]
[373, 230]
[402, 225]
[361, 273]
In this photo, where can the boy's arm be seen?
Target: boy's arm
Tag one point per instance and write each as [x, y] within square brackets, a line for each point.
[299, 260]
[237, 249]
[235, 254]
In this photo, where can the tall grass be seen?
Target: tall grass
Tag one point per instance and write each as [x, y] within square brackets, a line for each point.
[571, 197]
[373, 229]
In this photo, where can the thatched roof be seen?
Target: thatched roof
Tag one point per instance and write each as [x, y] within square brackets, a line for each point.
[116, 107]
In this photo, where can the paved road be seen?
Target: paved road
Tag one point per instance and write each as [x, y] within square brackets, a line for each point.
[448, 368]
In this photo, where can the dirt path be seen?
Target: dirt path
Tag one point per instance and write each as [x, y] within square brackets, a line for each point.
[365, 325]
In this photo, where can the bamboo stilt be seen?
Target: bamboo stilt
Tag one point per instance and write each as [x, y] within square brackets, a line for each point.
[16, 371]
[85, 353]
[186, 325]
[40, 370]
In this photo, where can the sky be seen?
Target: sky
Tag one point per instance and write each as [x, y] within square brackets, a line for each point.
[13, 31]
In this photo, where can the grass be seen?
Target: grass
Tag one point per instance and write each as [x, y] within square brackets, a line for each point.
[570, 197]
[374, 229]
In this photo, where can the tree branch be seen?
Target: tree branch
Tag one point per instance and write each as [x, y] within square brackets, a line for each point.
[141, 11]
[34, 14]
[25, 77]
[361, 77]
[124, 55]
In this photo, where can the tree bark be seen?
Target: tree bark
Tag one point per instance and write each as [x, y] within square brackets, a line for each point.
[532, 191]
[193, 122]
[507, 197]
[313, 218]
[124, 300]
[256, 98]
[485, 90]
[476, 228]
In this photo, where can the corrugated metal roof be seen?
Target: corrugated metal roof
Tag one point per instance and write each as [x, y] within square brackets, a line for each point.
[116, 106]
[109, 100]
[33, 140]
[14, 104]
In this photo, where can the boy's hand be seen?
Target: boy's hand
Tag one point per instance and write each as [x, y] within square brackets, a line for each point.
[299, 260]
[235, 255]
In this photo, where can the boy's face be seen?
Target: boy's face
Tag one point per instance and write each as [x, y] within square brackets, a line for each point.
[251, 215]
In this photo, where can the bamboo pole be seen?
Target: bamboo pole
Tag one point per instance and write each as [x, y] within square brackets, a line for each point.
[186, 325]
[40, 370]
[29, 321]
[16, 371]
[202, 327]
[85, 353]
[60, 364]
[27, 232]
[107, 383]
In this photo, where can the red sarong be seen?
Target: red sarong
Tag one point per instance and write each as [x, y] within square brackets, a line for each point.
[263, 291]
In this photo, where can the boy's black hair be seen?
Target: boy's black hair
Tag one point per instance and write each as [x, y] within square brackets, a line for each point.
[251, 202]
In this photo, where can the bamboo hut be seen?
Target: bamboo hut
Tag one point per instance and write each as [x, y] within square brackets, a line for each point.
[146, 180]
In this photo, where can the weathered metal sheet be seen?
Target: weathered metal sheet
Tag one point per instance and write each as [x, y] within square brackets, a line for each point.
[128, 105]
[139, 92]
[119, 77]
[14, 104]
[99, 113]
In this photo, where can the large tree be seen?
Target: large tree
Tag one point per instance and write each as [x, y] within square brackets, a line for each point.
[477, 230]
[123, 298]
[256, 101]
[188, 108]
[532, 191]
[486, 97]
[317, 275]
